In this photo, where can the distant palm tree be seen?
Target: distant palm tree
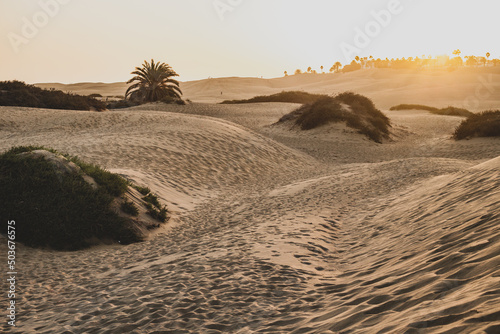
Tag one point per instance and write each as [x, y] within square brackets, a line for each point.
[471, 61]
[286, 73]
[153, 82]
[336, 67]
[322, 68]
[457, 52]
[309, 69]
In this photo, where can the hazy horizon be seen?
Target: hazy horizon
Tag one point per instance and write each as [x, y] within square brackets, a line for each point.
[74, 41]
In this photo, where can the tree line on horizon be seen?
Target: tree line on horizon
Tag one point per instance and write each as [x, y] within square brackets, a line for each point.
[407, 63]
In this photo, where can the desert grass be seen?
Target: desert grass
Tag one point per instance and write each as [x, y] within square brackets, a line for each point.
[62, 210]
[357, 111]
[448, 111]
[285, 97]
[19, 94]
[484, 124]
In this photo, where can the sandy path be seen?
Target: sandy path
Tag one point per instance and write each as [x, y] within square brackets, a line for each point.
[268, 238]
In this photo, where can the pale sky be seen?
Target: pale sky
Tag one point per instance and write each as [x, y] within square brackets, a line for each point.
[72, 41]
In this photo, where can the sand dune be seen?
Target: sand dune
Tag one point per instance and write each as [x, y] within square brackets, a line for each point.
[274, 230]
[473, 88]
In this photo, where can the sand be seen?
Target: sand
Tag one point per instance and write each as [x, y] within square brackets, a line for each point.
[274, 230]
[476, 89]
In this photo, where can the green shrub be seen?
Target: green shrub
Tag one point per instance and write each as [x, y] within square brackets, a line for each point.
[448, 111]
[413, 107]
[19, 94]
[484, 124]
[172, 99]
[152, 199]
[153, 206]
[55, 209]
[113, 183]
[159, 213]
[360, 114]
[325, 110]
[286, 97]
[130, 208]
[454, 111]
[143, 190]
[121, 104]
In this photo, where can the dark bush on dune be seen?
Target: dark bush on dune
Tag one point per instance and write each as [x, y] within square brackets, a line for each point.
[454, 111]
[357, 111]
[173, 100]
[485, 124]
[413, 107]
[121, 104]
[325, 110]
[285, 97]
[55, 206]
[19, 94]
[448, 111]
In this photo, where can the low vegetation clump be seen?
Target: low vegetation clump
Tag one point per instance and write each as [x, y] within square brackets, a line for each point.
[286, 97]
[19, 94]
[154, 207]
[130, 208]
[356, 111]
[143, 190]
[121, 104]
[63, 203]
[484, 124]
[448, 111]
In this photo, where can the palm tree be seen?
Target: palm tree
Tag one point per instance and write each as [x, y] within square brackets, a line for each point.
[336, 67]
[471, 61]
[286, 73]
[309, 69]
[482, 60]
[322, 68]
[153, 82]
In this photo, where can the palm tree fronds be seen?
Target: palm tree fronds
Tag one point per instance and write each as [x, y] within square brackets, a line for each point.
[153, 82]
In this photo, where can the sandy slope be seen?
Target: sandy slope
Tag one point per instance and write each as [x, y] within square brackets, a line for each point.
[274, 231]
[476, 89]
